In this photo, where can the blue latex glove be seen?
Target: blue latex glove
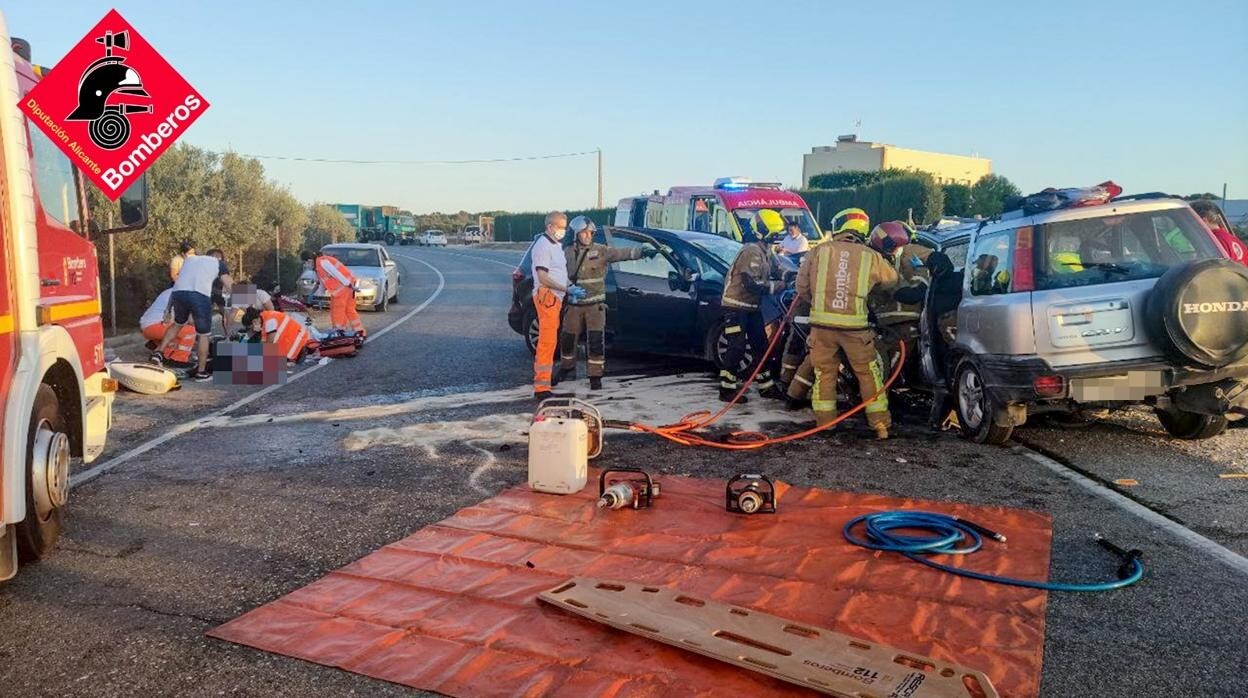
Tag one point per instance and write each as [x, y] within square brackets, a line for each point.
[915, 262]
[576, 292]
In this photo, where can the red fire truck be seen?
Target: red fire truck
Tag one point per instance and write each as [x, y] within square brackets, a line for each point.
[56, 394]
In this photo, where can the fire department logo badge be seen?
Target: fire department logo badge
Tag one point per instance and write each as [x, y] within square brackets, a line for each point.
[113, 105]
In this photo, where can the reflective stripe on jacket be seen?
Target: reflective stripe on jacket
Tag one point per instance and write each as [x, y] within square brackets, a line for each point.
[333, 274]
[587, 268]
[836, 278]
[756, 263]
[908, 261]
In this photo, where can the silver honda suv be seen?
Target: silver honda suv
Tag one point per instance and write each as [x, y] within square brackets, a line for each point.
[1099, 307]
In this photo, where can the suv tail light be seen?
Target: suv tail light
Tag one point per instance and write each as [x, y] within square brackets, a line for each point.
[1049, 386]
[1024, 262]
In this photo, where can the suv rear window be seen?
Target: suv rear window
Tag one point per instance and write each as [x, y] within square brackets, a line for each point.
[1118, 248]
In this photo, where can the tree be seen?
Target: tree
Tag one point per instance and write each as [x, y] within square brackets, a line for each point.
[325, 226]
[957, 200]
[1198, 197]
[988, 195]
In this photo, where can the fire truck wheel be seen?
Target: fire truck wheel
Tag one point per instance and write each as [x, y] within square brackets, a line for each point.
[47, 478]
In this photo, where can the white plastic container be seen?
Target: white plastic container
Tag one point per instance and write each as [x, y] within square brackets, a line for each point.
[558, 455]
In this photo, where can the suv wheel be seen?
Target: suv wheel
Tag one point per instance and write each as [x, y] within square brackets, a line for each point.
[1191, 426]
[975, 410]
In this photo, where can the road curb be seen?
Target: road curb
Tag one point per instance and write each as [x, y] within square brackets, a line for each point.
[123, 341]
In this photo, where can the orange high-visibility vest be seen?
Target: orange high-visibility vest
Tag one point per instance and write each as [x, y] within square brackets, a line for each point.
[333, 274]
[287, 333]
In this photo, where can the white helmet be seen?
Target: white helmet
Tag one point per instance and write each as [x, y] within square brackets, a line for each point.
[581, 223]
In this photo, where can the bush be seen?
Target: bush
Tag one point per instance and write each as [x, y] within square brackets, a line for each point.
[853, 178]
[914, 196]
[523, 227]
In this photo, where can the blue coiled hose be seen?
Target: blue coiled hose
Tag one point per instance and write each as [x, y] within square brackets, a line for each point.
[950, 535]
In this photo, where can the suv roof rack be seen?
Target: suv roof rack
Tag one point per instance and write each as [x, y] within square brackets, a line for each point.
[1144, 196]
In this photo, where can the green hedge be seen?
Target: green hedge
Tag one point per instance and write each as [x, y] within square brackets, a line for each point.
[522, 227]
[890, 199]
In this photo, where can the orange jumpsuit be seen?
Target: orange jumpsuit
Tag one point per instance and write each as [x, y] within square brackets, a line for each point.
[339, 282]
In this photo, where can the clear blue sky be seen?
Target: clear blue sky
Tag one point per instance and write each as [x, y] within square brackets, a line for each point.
[1151, 94]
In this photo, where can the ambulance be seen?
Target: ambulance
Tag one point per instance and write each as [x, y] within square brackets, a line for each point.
[724, 208]
[56, 394]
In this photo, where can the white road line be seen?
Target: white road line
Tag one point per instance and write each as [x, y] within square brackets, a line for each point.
[185, 427]
[1202, 544]
[479, 259]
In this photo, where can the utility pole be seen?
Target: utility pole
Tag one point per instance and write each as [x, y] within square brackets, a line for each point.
[277, 254]
[600, 178]
[112, 279]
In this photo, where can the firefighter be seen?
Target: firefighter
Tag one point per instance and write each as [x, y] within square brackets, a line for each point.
[897, 310]
[753, 273]
[276, 327]
[340, 284]
[836, 278]
[587, 263]
[550, 285]
[796, 370]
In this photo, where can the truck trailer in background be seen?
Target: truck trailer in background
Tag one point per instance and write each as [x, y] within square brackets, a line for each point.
[55, 388]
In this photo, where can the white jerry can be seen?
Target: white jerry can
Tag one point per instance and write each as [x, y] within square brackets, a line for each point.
[558, 454]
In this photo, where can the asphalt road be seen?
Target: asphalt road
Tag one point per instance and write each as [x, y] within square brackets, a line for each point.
[195, 529]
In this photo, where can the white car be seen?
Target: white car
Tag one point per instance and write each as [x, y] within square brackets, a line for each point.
[433, 238]
[376, 274]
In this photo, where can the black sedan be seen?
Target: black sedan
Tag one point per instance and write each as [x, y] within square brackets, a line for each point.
[665, 305]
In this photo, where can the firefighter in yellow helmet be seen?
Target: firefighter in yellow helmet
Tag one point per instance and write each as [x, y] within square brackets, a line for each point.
[836, 278]
[754, 272]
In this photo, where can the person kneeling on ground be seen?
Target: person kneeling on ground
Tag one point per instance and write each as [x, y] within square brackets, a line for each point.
[276, 327]
[156, 320]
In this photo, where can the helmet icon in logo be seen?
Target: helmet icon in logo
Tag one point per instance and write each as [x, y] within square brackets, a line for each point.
[103, 80]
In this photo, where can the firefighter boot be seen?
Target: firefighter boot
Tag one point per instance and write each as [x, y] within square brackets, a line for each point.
[881, 432]
[595, 382]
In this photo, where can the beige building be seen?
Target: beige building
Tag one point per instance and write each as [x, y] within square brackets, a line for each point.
[849, 153]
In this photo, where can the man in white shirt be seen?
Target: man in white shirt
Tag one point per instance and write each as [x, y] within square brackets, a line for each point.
[191, 301]
[795, 242]
[550, 284]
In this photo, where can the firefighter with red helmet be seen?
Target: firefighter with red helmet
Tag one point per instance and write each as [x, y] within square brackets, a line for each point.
[897, 310]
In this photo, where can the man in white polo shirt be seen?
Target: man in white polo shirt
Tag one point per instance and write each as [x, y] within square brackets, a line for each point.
[550, 283]
[191, 302]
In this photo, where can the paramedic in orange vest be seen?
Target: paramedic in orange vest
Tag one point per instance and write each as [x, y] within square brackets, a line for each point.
[156, 319]
[339, 283]
[836, 278]
[550, 285]
[276, 327]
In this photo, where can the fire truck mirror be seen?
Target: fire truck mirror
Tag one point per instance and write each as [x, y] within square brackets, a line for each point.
[133, 204]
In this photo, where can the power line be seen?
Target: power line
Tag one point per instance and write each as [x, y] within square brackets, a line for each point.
[415, 162]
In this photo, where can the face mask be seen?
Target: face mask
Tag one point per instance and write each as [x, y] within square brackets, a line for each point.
[558, 233]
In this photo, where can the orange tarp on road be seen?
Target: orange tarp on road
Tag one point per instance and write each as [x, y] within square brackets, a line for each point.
[453, 608]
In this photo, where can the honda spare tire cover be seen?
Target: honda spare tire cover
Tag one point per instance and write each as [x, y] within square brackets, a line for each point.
[1199, 312]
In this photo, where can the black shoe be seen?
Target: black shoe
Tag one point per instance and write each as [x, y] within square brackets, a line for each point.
[199, 376]
[726, 395]
[562, 375]
[772, 393]
[157, 359]
[793, 404]
[595, 383]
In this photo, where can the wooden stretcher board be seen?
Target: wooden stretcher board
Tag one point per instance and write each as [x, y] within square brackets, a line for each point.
[819, 659]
